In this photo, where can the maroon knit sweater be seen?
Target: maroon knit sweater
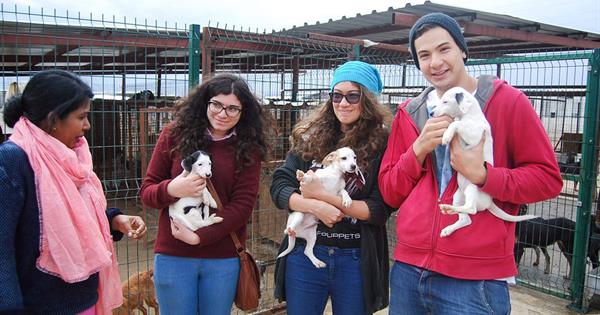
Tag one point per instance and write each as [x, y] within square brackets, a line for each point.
[238, 193]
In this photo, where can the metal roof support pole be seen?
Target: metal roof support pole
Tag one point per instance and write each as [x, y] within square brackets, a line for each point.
[587, 178]
[205, 45]
[355, 52]
[295, 77]
[194, 38]
[158, 82]
[123, 90]
[283, 84]
[404, 74]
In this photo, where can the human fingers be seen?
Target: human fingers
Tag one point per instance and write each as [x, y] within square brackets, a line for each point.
[139, 227]
[438, 123]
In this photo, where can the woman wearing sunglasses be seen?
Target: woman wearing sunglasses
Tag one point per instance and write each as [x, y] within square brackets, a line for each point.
[197, 272]
[351, 241]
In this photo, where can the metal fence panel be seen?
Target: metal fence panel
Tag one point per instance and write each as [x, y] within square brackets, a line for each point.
[139, 70]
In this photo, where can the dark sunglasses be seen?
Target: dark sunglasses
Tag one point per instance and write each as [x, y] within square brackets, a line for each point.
[351, 98]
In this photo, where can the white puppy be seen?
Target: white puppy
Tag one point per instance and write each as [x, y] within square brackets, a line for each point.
[194, 212]
[335, 164]
[470, 125]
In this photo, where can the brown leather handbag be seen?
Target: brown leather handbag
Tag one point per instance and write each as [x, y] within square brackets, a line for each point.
[248, 286]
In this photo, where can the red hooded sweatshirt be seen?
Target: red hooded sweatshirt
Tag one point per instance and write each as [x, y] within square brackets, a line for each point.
[524, 171]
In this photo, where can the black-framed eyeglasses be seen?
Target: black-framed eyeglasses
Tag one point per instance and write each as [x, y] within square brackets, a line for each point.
[231, 110]
[351, 98]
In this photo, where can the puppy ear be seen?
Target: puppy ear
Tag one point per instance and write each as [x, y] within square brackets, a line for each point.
[330, 158]
[463, 104]
[188, 162]
[459, 97]
[200, 152]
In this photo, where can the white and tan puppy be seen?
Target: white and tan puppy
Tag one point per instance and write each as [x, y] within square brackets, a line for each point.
[304, 225]
[194, 212]
[470, 125]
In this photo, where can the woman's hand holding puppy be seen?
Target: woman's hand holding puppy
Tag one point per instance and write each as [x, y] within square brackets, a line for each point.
[182, 233]
[327, 213]
[323, 209]
[313, 189]
[186, 185]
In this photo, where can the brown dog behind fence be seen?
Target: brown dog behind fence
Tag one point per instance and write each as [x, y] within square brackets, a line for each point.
[137, 290]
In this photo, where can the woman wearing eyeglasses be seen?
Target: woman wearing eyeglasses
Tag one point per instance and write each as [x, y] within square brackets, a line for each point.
[197, 272]
[351, 241]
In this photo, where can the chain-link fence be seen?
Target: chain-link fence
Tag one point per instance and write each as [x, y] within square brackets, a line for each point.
[138, 70]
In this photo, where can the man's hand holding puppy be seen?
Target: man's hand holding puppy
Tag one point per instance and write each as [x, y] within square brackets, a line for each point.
[469, 163]
[430, 137]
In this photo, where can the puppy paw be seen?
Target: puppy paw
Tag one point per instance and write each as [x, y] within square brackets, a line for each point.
[446, 231]
[214, 219]
[319, 264]
[346, 202]
[446, 138]
[299, 175]
[447, 209]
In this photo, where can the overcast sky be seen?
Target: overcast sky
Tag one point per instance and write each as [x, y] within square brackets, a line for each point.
[271, 14]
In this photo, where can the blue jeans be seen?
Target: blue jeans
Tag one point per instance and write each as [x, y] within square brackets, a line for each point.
[419, 291]
[307, 287]
[195, 285]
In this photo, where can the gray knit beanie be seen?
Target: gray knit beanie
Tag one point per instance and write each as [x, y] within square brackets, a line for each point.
[444, 21]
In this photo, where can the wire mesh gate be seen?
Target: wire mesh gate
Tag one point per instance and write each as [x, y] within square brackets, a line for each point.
[139, 70]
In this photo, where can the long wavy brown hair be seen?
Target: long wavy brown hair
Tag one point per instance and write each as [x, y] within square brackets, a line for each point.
[191, 120]
[321, 133]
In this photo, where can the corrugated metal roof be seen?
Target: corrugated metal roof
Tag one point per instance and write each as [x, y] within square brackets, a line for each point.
[379, 27]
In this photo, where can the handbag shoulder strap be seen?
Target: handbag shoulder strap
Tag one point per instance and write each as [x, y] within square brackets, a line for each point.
[213, 192]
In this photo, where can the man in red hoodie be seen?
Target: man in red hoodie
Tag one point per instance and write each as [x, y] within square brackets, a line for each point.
[467, 272]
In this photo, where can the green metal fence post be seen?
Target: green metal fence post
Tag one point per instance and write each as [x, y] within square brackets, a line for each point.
[194, 55]
[587, 178]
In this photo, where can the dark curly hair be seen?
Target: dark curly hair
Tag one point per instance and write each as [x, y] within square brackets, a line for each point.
[320, 133]
[191, 120]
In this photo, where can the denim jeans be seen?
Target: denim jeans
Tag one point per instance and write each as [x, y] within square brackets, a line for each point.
[195, 285]
[419, 291]
[307, 288]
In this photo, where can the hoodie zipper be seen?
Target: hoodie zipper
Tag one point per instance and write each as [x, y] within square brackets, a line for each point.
[432, 160]
[438, 212]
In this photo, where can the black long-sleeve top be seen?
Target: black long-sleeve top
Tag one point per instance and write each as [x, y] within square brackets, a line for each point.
[373, 240]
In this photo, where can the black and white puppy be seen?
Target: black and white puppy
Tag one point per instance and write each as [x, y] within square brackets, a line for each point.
[194, 212]
[470, 125]
[304, 225]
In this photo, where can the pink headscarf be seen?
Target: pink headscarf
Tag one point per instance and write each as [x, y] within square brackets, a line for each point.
[75, 234]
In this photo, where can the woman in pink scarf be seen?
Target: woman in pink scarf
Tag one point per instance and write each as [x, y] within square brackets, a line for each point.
[56, 255]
